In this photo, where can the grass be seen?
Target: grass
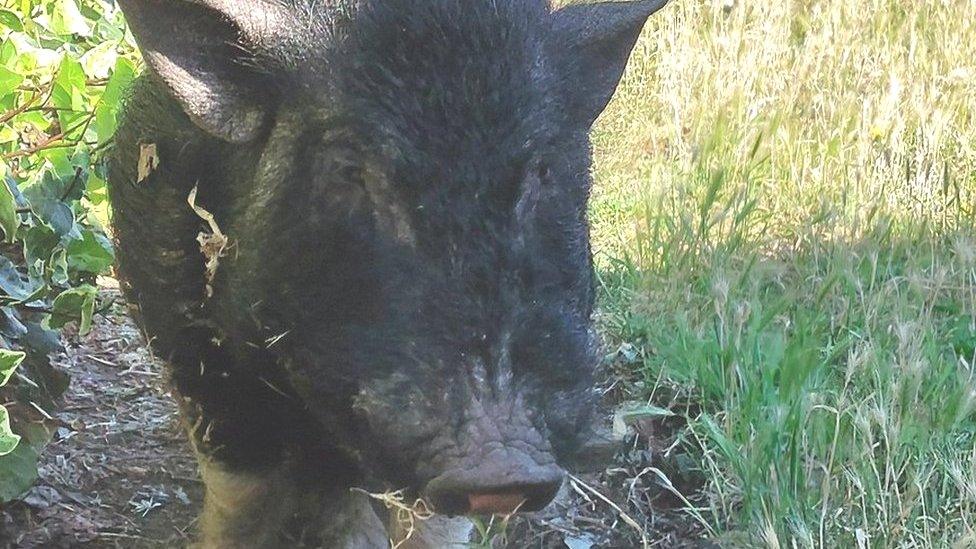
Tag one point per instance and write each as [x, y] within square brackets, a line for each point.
[786, 217]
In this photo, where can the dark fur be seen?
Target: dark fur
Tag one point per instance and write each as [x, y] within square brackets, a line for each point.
[409, 230]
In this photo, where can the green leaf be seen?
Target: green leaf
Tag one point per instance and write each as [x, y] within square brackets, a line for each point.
[98, 61]
[67, 174]
[9, 360]
[7, 52]
[8, 440]
[111, 28]
[74, 304]
[107, 112]
[93, 253]
[10, 323]
[45, 201]
[9, 80]
[18, 471]
[39, 293]
[12, 282]
[96, 191]
[66, 18]
[69, 86]
[57, 268]
[630, 413]
[40, 340]
[9, 219]
[38, 60]
[10, 20]
[58, 162]
[13, 189]
[39, 243]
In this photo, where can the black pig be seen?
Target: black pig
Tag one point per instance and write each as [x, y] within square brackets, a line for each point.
[403, 299]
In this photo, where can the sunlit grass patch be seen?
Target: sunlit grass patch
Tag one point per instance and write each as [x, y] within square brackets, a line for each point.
[784, 219]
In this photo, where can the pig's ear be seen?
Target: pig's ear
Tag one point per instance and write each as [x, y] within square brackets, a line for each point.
[591, 44]
[199, 48]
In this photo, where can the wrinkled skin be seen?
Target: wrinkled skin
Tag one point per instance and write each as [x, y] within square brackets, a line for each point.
[405, 300]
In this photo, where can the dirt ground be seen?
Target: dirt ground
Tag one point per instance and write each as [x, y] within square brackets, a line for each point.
[119, 472]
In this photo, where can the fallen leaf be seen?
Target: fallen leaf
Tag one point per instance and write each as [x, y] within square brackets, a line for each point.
[582, 541]
[213, 245]
[148, 161]
[629, 414]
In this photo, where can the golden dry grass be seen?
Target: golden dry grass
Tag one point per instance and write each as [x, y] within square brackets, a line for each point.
[784, 223]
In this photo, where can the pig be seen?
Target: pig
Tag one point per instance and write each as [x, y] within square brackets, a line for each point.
[383, 277]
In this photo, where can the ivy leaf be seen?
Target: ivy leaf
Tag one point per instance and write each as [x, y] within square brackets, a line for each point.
[9, 219]
[9, 80]
[96, 191]
[92, 253]
[50, 50]
[66, 18]
[8, 440]
[111, 27]
[7, 50]
[69, 86]
[40, 340]
[18, 471]
[11, 281]
[75, 178]
[9, 360]
[13, 189]
[58, 268]
[107, 112]
[98, 61]
[39, 244]
[10, 20]
[74, 304]
[45, 201]
[10, 324]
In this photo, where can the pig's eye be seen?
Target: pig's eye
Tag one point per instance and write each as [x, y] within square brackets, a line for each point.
[535, 175]
[341, 166]
[536, 171]
[543, 173]
[349, 173]
[536, 179]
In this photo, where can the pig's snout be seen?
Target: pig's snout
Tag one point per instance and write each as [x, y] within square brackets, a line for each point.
[504, 483]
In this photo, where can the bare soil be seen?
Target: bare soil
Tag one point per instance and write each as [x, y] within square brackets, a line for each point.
[119, 472]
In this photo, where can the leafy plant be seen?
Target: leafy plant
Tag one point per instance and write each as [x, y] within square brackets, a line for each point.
[64, 66]
[487, 533]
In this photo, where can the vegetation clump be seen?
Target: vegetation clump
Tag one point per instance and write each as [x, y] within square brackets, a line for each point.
[64, 65]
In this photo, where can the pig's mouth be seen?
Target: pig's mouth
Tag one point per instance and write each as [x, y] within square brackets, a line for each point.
[507, 482]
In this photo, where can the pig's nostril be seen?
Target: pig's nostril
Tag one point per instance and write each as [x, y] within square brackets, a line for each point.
[455, 495]
[495, 504]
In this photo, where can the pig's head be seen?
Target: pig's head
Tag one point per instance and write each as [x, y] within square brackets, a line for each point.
[417, 226]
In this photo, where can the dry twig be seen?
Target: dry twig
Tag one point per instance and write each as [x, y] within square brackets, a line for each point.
[623, 514]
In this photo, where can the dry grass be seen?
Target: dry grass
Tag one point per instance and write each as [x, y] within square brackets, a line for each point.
[785, 221]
